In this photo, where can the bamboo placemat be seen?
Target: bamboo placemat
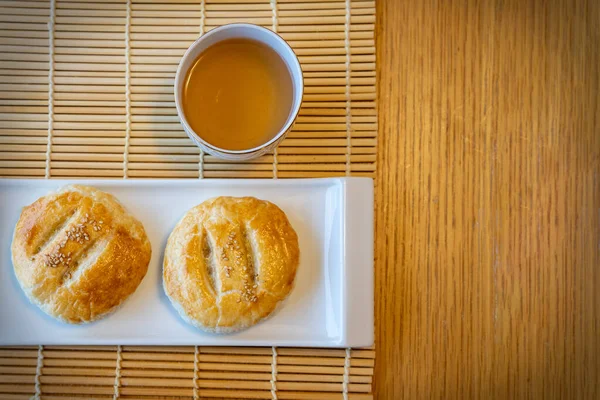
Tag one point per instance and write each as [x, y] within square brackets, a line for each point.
[86, 90]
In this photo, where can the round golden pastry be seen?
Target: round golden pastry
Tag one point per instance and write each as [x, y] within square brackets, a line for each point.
[78, 254]
[229, 262]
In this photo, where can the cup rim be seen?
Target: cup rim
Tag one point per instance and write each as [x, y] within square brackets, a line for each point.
[294, 111]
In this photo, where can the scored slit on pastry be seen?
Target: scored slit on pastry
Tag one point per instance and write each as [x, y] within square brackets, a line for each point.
[251, 254]
[78, 234]
[239, 261]
[45, 239]
[211, 268]
[84, 259]
[209, 260]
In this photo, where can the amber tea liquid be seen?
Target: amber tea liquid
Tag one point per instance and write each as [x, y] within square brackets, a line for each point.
[238, 94]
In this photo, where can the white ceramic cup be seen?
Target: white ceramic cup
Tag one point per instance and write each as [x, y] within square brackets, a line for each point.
[237, 31]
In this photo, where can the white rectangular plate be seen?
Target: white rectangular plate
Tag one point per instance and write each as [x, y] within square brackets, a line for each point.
[331, 304]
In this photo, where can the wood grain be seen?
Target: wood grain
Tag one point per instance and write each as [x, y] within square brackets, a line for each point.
[488, 200]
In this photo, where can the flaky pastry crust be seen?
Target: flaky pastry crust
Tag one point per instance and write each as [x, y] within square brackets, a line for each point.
[229, 262]
[78, 254]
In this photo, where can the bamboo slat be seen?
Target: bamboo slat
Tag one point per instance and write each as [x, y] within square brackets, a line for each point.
[64, 113]
[233, 372]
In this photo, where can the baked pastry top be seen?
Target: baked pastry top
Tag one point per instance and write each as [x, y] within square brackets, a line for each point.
[229, 262]
[78, 254]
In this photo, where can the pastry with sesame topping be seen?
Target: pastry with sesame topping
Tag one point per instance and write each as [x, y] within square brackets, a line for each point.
[230, 262]
[78, 254]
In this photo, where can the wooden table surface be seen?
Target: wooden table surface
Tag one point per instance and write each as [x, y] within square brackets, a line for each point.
[488, 199]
